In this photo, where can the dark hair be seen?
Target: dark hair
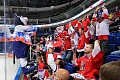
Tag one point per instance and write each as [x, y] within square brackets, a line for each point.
[92, 46]
[82, 28]
[50, 70]
[61, 63]
[110, 71]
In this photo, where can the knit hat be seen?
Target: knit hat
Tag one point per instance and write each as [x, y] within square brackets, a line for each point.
[99, 15]
[24, 20]
[19, 20]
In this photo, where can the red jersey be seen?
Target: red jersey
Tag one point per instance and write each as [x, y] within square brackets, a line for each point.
[40, 65]
[81, 42]
[89, 65]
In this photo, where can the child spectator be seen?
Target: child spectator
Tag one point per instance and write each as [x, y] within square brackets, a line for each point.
[42, 73]
[40, 63]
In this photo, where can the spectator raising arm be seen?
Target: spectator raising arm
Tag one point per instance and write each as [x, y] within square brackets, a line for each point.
[51, 59]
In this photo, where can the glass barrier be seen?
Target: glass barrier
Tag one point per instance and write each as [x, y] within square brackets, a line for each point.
[8, 64]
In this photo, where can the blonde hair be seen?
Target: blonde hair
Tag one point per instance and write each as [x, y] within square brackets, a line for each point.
[39, 58]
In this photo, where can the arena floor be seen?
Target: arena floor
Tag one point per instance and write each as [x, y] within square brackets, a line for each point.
[11, 68]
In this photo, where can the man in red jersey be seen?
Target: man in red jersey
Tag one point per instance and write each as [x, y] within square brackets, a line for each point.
[90, 63]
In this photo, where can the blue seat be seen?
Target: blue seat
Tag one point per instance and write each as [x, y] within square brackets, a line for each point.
[40, 32]
[69, 67]
[111, 37]
[97, 79]
[117, 39]
[112, 47]
[51, 32]
[112, 57]
[116, 53]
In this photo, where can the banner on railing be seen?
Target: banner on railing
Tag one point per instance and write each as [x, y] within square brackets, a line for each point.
[70, 19]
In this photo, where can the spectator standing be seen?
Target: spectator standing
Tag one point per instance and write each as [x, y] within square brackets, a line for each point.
[102, 28]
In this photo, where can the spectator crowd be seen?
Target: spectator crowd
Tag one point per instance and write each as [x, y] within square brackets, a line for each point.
[76, 51]
[83, 43]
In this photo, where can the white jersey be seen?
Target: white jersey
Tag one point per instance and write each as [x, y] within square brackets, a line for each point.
[23, 33]
[102, 28]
